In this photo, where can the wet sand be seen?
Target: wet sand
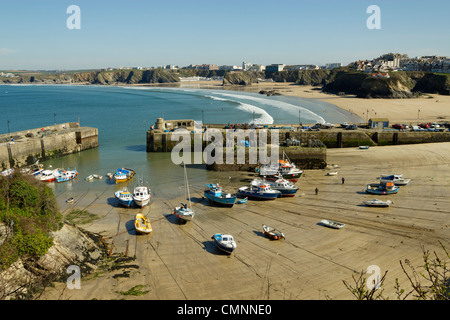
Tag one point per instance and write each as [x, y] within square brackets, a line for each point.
[179, 261]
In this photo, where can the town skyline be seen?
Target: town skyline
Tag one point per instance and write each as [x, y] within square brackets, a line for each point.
[156, 33]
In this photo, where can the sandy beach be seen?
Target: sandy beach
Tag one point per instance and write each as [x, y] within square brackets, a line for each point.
[179, 261]
[433, 107]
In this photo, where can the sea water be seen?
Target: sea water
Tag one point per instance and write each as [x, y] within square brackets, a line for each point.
[124, 114]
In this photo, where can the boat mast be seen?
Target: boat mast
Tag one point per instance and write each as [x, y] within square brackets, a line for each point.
[186, 185]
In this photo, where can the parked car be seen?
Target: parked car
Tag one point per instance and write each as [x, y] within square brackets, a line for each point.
[417, 128]
[425, 125]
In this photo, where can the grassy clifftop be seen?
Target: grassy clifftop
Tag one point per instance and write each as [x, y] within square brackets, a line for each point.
[28, 212]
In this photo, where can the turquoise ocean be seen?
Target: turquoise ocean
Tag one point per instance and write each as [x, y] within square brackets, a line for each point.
[124, 114]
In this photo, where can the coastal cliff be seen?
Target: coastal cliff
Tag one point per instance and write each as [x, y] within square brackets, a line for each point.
[400, 84]
[97, 77]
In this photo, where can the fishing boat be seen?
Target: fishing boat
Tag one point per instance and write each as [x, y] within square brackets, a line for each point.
[66, 175]
[272, 233]
[141, 195]
[224, 242]
[243, 200]
[142, 224]
[124, 197]
[285, 167]
[377, 203]
[215, 195]
[184, 212]
[123, 174]
[287, 188]
[396, 178]
[332, 224]
[258, 190]
[382, 188]
[48, 175]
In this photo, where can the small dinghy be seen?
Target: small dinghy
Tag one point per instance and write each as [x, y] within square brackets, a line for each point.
[272, 233]
[70, 200]
[333, 173]
[377, 203]
[241, 201]
[224, 242]
[142, 224]
[332, 224]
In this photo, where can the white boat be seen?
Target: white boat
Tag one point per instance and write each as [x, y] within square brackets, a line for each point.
[97, 176]
[332, 173]
[287, 188]
[48, 175]
[141, 195]
[90, 177]
[377, 203]
[396, 178]
[285, 167]
[224, 242]
[332, 224]
[184, 212]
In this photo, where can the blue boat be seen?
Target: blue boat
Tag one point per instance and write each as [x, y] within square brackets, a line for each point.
[124, 197]
[66, 175]
[382, 188]
[215, 195]
[261, 191]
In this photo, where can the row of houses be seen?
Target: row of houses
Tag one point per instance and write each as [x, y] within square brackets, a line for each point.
[396, 62]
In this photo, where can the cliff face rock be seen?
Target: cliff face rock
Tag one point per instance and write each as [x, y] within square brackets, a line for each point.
[242, 78]
[98, 77]
[71, 246]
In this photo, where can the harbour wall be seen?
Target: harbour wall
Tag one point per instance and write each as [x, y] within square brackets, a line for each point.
[24, 148]
[307, 149]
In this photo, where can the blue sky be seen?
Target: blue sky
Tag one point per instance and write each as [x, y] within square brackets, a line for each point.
[33, 34]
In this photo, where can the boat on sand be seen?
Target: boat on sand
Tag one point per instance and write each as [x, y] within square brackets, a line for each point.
[142, 224]
[377, 203]
[332, 224]
[272, 233]
[224, 242]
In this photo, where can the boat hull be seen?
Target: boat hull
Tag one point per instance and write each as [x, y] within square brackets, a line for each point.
[126, 202]
[229, 249]
[259, 195]
[141, 202]
[220, 201]
[184, 214]
[287, 192]
[292, 177]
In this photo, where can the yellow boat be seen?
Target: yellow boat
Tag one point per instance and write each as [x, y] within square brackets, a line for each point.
[142, 224]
